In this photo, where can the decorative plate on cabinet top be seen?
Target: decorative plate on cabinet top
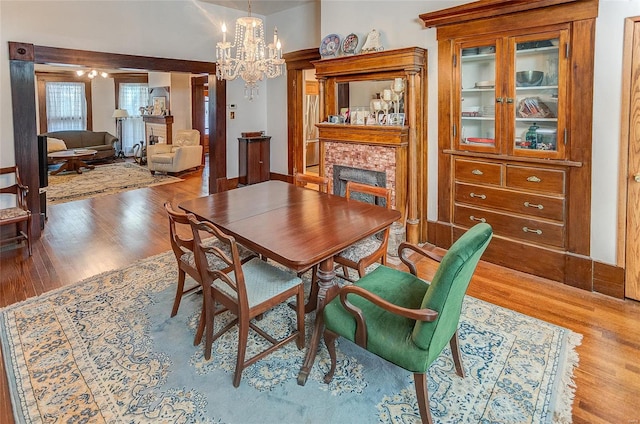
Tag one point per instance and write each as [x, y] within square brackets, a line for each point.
[350, 43]
[330, 45]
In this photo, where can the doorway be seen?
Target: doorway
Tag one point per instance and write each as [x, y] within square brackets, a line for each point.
[310, 117]
[297, 63]
[23, 57]
[629, 184]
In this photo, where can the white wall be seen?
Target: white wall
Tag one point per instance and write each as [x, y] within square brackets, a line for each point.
[180, 101]
[299, 29]
[606, 125]
[103, 99]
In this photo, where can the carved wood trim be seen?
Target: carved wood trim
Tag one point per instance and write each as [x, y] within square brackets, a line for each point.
[485, 9]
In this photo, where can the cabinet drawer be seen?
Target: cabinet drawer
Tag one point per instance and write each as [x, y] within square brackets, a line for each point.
[478, 172]
[535, 179]
[538, 206]
[528, 229]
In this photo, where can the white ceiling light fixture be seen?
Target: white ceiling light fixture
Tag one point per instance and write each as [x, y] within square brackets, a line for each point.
[251, 62]
[92, 73]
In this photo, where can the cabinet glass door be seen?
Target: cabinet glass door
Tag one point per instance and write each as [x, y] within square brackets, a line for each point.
[538, 124]
[477, 105]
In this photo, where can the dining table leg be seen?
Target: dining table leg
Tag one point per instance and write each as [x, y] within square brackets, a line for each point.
[327, 289]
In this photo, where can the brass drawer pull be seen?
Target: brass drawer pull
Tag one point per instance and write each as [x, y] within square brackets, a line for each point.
[477, 172]
[533, 205]
[533, 179]
[473, 218]
[530, 230]
[479, 196]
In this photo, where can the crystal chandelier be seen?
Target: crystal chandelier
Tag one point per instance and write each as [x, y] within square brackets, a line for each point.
[251, 62]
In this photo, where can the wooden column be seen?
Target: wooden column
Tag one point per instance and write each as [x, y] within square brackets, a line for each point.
[413, 221]
[25, 140]
[322, 104]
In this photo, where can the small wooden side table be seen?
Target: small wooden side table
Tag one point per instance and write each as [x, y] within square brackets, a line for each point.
[254, 162]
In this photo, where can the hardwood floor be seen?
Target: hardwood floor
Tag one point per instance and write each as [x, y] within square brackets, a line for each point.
[87, 237]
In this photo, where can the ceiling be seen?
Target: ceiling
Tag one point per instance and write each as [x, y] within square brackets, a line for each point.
[260, 7]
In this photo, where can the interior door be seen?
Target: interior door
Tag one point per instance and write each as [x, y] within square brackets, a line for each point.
[632, 176]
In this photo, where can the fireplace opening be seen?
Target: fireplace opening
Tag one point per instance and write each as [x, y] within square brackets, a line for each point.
[343, 174]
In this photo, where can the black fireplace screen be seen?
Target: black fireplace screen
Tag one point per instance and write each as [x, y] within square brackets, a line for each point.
[342, 174]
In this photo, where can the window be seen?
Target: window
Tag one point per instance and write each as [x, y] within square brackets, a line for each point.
[66, 106]
[64, 102]
[132, 96]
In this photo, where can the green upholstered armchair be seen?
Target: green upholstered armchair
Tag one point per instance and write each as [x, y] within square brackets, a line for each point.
[403, 319]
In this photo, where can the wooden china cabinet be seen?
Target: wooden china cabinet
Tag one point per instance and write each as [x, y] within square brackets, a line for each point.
[515, 113]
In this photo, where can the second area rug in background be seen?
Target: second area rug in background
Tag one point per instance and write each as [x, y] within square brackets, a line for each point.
[104, 179]
[106, 350]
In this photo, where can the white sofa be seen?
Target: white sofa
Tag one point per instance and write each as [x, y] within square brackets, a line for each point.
[183, 154]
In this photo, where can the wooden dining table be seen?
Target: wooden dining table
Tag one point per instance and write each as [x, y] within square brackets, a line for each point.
[296, 227]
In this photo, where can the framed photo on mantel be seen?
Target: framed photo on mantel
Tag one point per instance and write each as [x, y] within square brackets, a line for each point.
[159, 100]
[159, 105]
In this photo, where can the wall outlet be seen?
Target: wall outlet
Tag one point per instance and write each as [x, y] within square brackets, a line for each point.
[232, 115]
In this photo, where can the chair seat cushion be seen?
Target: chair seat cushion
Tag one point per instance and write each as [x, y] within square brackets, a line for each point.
[263, 281]
[388, 335]
[213, 261]
[11, 213]
[361, 249]
[163, 158]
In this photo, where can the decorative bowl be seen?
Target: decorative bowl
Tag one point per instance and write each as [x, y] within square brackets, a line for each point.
[529, 78]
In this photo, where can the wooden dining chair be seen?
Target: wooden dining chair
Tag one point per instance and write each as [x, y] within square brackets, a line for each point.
[247, 291]
[182, 246]
[16, 212]
[312, 181]
[371, 249]
[322, 183]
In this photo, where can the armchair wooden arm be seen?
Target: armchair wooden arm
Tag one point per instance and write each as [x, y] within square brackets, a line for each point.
[427, 315]
[417, 249]
[23, 191]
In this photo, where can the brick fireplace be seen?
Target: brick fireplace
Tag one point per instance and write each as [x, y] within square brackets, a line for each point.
[362, 157]
[364, 148]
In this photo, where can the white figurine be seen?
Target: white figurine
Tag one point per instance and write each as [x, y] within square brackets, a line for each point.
[373, 43]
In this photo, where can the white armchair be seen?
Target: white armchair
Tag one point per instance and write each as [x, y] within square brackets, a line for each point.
[184, 153]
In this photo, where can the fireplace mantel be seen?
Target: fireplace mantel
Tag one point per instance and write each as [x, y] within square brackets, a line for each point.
[385, 135]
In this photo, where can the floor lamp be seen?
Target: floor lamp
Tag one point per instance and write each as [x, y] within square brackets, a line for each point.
[119, 115]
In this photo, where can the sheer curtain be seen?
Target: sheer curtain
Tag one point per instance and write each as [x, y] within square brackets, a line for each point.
[132, 97]
[66, 106]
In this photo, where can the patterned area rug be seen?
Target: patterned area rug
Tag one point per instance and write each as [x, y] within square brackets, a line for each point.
[106, 350]
[104, 179]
